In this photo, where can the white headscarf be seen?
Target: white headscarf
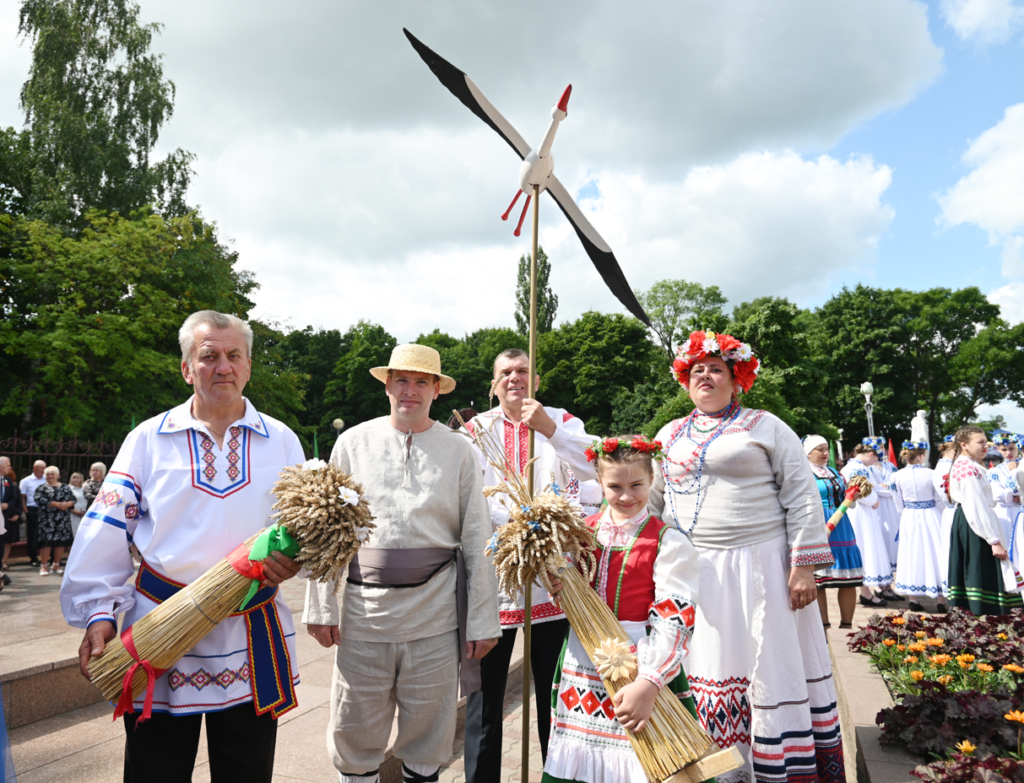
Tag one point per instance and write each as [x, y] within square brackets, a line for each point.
[811, 442]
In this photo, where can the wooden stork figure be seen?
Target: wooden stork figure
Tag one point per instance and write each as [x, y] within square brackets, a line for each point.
[536, 175]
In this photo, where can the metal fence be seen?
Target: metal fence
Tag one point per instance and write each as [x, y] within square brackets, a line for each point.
[70, 455]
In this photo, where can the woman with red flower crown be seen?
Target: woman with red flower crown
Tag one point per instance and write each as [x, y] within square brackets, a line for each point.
[735, 481]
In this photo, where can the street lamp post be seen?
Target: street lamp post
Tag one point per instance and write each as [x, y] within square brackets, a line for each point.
[867, 390]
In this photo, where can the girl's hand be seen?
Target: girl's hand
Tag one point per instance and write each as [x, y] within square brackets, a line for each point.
[556, 590]
[999, 552]
[634, 703]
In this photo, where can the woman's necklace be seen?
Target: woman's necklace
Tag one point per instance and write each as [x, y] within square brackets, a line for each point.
[694, 464]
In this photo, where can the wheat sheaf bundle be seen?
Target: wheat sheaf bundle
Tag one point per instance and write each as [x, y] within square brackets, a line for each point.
[319, 506]
[543, 532]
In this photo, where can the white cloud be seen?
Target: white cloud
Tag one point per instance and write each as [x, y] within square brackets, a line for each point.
[991, 196]
[1010, 299]
[983, 21]
[1011, 413]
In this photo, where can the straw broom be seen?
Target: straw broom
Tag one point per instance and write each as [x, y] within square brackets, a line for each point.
[543, 531]
[318, 511]
[858, 487]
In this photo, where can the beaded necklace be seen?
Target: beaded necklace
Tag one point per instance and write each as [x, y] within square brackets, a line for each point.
[606, 556]
[697, 457]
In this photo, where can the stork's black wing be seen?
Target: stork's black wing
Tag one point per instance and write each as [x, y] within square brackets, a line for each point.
[462, 87]
[597, 249]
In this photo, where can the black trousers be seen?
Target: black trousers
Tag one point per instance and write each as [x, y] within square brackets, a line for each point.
[484, 709]
[163, 749]
[32, 533]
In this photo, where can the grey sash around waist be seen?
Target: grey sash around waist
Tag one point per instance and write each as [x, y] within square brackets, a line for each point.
[403, 568]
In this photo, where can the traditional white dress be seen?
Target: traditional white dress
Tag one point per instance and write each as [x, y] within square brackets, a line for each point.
[883, 477]
[942, 469]
[919, 567]
[867, 526]
[560, 460]
[655, 604]
[186, 502]
[1004, 490]
[739, 486]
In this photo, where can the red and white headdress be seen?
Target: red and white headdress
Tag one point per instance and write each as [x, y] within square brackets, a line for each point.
[739, 356]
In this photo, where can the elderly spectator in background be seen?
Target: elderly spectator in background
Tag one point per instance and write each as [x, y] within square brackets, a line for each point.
[31, 510]
[55, 501]
[10, 507]
[81, 504]
[91, 488]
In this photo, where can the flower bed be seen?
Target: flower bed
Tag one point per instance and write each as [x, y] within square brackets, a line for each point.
[959, 691]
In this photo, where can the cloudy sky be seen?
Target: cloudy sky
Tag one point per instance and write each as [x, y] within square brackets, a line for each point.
[787, 148]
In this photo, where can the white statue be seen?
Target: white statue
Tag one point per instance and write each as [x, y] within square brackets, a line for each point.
[919, 428]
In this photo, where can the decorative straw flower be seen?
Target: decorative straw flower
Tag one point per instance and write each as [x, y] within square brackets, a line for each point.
[1016, 715]
[888, 642]
[917, 676]
[910, 659]
[349, 497]
[984, 667]
[966, 747]
[614, 660]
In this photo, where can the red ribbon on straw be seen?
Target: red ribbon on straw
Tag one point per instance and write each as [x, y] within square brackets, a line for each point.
[125, 703]
[851, 495]
[239, 560]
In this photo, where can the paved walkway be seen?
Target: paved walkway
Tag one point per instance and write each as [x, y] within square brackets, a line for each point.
[84, 745]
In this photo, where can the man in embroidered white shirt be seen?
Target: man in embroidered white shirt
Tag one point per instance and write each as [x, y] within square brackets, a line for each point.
[560, 443]
[187, 487]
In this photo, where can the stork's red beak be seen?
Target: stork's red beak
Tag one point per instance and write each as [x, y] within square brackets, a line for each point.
[563, 103]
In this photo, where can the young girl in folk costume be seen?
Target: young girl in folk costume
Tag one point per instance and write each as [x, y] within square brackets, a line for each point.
[868, 529]
[918, 571]
[981, 577]
[1005, 489]
[647, 573]
[883, 474]
[940, 479]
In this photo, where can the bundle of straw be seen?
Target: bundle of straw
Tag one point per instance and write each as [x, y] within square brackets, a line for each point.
[543, 531]
[320, 522]
[858, 487]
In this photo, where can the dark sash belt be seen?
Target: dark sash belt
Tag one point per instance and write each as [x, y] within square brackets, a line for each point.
[270, 665]
[402, 568]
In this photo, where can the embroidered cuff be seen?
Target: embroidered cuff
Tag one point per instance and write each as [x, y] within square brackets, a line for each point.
[995, 541]
[812, 556]
[95, 617]
[651, 676]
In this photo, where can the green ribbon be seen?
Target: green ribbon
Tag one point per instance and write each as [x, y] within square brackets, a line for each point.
[275, 538]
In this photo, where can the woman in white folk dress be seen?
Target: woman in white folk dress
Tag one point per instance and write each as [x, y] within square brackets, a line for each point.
[940, 480]
[735, 481]
[918, 571]
[867, 527]
[1005, 488]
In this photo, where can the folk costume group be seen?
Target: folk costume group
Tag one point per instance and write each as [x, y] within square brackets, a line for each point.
[707, 550]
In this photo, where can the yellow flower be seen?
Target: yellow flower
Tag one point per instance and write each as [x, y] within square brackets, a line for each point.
[1016, 715]
[940, 660]
[910, 659]
[965, 658]
[901, 647]
[964, 665]
[966, 747]
[917, 676]
[1002, 636]
[946, 679]
[919, 647]
[984, 667]
[888, 642]
[1012, 667]
[898, 621]
[920, 634]
[936, 642]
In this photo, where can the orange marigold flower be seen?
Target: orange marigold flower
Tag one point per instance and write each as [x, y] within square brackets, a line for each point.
[984, 667]
[901, 647]
[1012, 667]
[1015, 715]
[888, 642]
[917, 676]
[910, 659]
[946, 679]
[964, 665]
[919, 647]
[898, 621]
[966, 747]
[940, 660]
[920, 634]
[965, 658]
[1002, 636]
[935, 642]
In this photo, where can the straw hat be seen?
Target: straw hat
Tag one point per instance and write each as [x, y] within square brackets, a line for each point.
[415, 358]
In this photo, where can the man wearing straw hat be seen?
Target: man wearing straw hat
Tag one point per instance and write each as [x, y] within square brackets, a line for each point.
[187, 487]
[420, 594]
[561, 443]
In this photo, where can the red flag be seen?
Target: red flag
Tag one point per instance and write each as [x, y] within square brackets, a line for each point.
[892, 455]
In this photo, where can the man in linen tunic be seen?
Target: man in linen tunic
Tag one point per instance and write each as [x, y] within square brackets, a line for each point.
[398, 646]
[560, 444]
[186, 498]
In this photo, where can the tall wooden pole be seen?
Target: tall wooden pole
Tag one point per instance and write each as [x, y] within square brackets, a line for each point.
[530, 392]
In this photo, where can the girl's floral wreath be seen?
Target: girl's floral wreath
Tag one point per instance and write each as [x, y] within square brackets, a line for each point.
[739, 356]
[640, 443]
[1004, 439]
[911, 445]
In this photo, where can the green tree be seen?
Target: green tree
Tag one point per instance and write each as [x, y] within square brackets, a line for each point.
[678, 307]
[94, 103]
[587, 364]
[89, 336]
[547, 301]
[275, 388]
[352, 394]
[313, 355]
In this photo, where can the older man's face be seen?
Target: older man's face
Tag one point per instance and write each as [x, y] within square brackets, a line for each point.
[38, 467]
[220, 365]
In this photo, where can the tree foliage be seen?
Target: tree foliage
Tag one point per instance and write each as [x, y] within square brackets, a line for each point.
[678, 307]
[547, 301]
[352, 394]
